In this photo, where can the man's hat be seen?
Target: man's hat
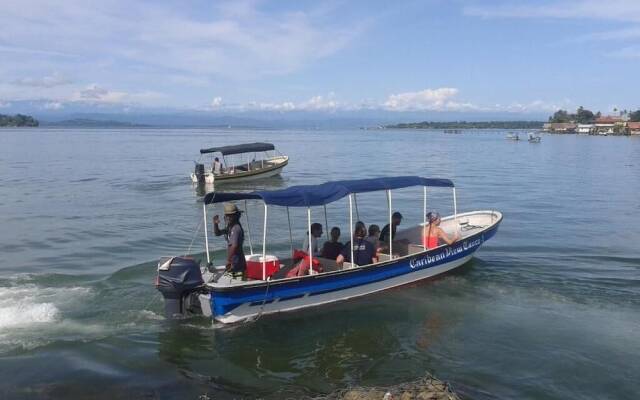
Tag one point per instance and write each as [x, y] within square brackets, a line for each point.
[230, 209]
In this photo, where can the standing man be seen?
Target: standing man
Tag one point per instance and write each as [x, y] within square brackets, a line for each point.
[234, 235]
[396, 219]
[217, 166]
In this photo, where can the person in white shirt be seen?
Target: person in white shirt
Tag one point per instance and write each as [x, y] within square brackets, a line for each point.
[316, 232]
[217, 166]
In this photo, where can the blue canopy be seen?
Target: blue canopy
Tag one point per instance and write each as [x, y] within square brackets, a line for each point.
[317, 195]
[239, 148]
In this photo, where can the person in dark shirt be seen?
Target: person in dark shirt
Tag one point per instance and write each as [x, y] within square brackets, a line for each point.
[234, 234]
[363, 251]
[396, 219]
[331, 248]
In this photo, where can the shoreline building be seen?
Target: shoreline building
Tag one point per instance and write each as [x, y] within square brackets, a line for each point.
[633, 128]
[585, 128]
[609, 125]
[560, 127]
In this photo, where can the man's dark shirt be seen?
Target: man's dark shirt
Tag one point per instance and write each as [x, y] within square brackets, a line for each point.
[331, 250]
[363, 252]
[384, 235]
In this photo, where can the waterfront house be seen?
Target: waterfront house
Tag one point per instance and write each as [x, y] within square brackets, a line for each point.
[561, 127]
[585, 128]
[633, 128]
[609, 125]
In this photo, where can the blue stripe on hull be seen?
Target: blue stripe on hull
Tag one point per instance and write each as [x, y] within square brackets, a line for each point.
[225, 300]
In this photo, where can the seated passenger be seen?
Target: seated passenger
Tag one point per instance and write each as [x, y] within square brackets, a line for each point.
[316, 232]
[374, 234]
[433, 233]
[396, 219]
[217, 166]
[363, 251]
[332, 248]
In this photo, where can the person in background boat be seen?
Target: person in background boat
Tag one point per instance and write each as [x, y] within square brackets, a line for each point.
[316, 232]
[332, 248]
[217, 166]
[374, 235]
[433, 234]
[396, 219]
[363, 251]
[234, 235]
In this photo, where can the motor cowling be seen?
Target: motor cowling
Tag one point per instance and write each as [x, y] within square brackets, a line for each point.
[178, 278]
[199, 173]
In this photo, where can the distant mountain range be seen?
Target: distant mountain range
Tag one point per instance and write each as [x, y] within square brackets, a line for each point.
[105, 116]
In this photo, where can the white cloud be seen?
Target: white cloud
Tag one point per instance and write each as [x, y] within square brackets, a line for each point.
[45, 82]
[216, 103]
[629, 52]
[620, 10]
[96, 94]
[280, 107]
[53, 105]
[535, 106]
[440, 99]
[4, 104]
[235, 39]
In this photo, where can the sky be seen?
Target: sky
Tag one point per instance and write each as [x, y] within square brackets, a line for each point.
[225, 57]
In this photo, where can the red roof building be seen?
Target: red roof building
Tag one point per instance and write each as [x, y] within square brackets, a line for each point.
[608, 119]
[634, 128]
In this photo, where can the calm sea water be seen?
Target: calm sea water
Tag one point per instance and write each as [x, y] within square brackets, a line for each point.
[549, 308]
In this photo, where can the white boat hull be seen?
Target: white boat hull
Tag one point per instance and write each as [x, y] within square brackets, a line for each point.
[248, 311]
[232, 302]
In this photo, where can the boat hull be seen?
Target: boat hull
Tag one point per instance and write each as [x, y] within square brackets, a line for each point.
[210, 178]
[235, 304]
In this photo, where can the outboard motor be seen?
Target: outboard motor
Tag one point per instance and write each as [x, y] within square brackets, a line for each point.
[178, 281]
[199, 173]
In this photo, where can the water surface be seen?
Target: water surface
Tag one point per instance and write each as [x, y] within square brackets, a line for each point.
[549, 308]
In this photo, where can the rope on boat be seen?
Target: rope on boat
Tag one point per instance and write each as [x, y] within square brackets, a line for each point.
[264, 301]
[193, 238]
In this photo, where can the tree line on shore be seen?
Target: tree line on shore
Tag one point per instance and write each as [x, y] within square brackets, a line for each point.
[469, 125]
[18, 120]
[584, 116]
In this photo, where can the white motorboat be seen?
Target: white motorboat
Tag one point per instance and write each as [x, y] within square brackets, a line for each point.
[270, 285]
[238, 163]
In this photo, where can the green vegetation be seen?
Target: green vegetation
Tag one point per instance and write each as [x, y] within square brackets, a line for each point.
[581, 116]
[469, 125]
[634, 116]
[18, 120]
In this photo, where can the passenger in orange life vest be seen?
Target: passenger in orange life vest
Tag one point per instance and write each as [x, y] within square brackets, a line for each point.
[433, 233]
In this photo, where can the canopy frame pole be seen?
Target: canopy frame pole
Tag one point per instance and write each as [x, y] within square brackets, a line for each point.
[264, 245]
[290, 234]
[424, 218]
[206, 235]
[326, 221]
[246, 216]
[310, 244]
[351, 227]
[455, 208]
[390, 226]
[355, 201]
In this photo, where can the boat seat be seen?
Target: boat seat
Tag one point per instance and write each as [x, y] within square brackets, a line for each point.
[328, 264]
[415, 248]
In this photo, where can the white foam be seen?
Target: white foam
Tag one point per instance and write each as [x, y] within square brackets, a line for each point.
[26, 314]
[25, 305]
